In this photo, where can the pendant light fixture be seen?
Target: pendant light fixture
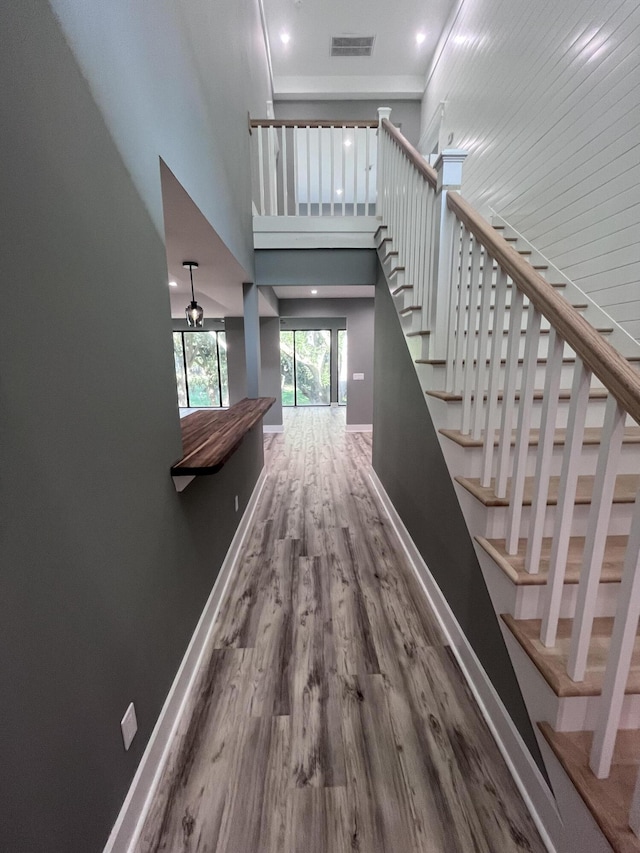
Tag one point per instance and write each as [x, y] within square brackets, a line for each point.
[194, 313]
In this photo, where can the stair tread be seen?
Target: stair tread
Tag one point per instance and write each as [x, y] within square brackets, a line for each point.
[624, 491]
[608, 800]
[513, 564]
[415, 334]
[565, 394]
[410, 308]
[401, 289]
[380, 228]
[592, 435]
[551, 663]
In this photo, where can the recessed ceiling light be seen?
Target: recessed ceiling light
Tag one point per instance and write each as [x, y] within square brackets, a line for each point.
[285, 38]
[314, 292]
[338, 192]
[420, 37]
[347, 143]
[173, 284]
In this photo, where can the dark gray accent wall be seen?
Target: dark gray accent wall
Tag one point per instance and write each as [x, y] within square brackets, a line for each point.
[104, 567]
[408, 459]
[359, 316]
[405, 114]
[316, 266]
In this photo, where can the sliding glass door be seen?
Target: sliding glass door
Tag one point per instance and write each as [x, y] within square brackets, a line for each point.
[305, 367]
[342, 367]
[201, 369]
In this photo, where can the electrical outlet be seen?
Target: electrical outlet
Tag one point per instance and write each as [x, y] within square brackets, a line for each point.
[236, 503]
[129, 726]
[358, 376]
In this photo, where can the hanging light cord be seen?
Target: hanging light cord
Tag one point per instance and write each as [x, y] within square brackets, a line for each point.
[193, 298]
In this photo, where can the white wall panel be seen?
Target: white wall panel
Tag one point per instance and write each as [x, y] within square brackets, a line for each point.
[546, 98]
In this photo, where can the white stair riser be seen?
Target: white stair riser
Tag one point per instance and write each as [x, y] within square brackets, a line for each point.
[527, 602]
[570, 714]
[437, 374]
[468, 460]
[449, 414]
[491, 522]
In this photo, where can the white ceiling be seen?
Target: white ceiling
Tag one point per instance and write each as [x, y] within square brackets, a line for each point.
[325, 291]
[304, 68]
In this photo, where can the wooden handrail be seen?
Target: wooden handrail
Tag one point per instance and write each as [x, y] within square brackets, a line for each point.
[611, 368]
[411, 153]
[303, 122]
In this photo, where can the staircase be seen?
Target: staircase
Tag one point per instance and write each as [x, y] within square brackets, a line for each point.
[536, 396]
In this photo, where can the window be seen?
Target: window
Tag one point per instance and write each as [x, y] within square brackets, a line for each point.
[201, 369]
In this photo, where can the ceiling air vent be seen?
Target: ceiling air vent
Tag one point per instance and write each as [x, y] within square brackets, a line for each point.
[352, 45]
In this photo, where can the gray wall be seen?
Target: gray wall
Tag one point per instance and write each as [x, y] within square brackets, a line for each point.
[316, 266]
[105, 569]
[408, 459]
[359, 315]
[176, 80]
[404, 113]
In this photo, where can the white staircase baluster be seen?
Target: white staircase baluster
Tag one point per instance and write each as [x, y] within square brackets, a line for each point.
[527, 385]
[296, 172]
[460, 247]
[509, 393]
[273, 170]
[483, 344]
[355, 171]
[261, 170]
[367, 170]
[544, 456]
[599, 516]
[285, 166]
[308, 137]
[472, 317]
[332, 157]
[344, 172]
[492, 407]
[319, 171]
[461, 312]
[423, 198]
[625, 627]
[571, 461]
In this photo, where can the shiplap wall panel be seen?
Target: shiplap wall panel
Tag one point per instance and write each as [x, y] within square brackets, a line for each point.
[546, 98]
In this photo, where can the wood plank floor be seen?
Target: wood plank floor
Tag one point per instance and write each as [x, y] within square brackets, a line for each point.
[331, 716]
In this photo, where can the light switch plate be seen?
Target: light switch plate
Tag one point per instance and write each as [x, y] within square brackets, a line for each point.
[129, 726]
[357, 376]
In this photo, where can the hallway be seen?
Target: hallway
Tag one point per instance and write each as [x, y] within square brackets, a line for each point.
[331, 715]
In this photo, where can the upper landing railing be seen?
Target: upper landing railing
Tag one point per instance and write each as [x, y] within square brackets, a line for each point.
[314, 168]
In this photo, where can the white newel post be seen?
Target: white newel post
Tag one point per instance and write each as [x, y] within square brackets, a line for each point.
[383, 112]
[449, 169]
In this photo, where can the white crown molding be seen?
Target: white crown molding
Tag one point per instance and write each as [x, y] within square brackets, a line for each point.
[348, 87]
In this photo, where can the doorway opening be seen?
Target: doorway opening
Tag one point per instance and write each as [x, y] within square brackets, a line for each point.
[305, 367]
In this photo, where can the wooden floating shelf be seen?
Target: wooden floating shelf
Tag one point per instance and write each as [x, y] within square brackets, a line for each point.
[209, 438]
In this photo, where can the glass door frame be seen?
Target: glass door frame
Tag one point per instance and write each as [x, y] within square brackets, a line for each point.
[295, 404]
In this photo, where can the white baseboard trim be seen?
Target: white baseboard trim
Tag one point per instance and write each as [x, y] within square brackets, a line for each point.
[134, 809]
[272, 428]
[531, 784]
[359, 427]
